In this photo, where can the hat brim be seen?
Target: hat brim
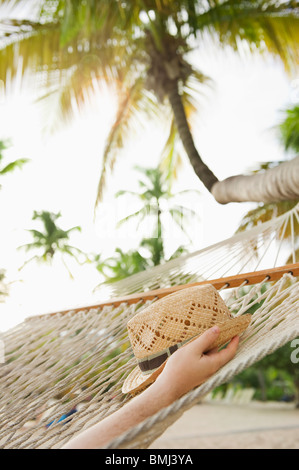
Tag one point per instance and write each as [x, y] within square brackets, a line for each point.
[136, 381]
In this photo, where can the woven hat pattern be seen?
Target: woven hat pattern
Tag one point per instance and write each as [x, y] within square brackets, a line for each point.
[176, 318]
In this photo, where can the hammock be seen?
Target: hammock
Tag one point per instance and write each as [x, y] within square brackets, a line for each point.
[64, 371]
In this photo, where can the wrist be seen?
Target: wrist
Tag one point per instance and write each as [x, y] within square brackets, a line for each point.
[167, 390]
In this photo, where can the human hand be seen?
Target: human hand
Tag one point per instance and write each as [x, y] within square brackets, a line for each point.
[190, 366]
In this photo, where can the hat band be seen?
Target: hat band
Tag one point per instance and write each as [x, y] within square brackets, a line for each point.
[149, 364]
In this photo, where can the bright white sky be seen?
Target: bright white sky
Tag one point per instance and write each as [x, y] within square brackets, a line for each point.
[233, 131]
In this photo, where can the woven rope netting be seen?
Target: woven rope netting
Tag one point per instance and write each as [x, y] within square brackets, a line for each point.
[262, 247]
[63, 372]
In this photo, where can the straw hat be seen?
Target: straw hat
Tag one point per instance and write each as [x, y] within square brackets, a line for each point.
[160, 329]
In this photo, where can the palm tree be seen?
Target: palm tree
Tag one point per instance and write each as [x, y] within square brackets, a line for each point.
[11, 166]
[142, 48]
[155, 191]
[155, 198]
[51, 241]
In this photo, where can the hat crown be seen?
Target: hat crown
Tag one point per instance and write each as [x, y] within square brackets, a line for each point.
[175, 319]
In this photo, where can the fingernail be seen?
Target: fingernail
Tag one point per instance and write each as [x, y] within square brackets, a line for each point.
[215, 329]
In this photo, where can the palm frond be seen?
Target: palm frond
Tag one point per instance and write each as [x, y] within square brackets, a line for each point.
[289, 129]
[30, 246]
[171, 157]
[186, 211]
[194, 88]
[293, 258]
[181, 250]
[131, 106]
[77, 227]
[35, 257]
[265, 212]
[67, 268]
[37, 234]
[268, 25]
[188, 191]
[139, 215]
[64, 67]
[179, 218]
[13, 165]
[71, 250]
[123, 192]
[35, 52]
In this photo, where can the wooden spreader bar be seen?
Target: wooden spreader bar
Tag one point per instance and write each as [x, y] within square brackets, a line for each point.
[225, 282]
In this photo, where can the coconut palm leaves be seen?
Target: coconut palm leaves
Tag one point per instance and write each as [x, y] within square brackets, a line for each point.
[289, 129]
[142, 48]
[51, 240]
[264, 212]
[155, 197]
[270, 26]
[121, 265]
[288, 233]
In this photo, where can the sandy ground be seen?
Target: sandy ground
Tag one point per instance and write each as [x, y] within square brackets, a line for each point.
[226, 426]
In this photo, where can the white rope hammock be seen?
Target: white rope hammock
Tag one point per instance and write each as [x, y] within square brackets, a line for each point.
[259, 248]
[64, 371]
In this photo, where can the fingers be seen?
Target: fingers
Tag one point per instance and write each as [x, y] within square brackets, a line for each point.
[204, 341]
[225, 355]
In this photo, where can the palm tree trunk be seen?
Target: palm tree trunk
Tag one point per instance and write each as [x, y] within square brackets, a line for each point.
[202, 171]
[276, 184]
[262, 383]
